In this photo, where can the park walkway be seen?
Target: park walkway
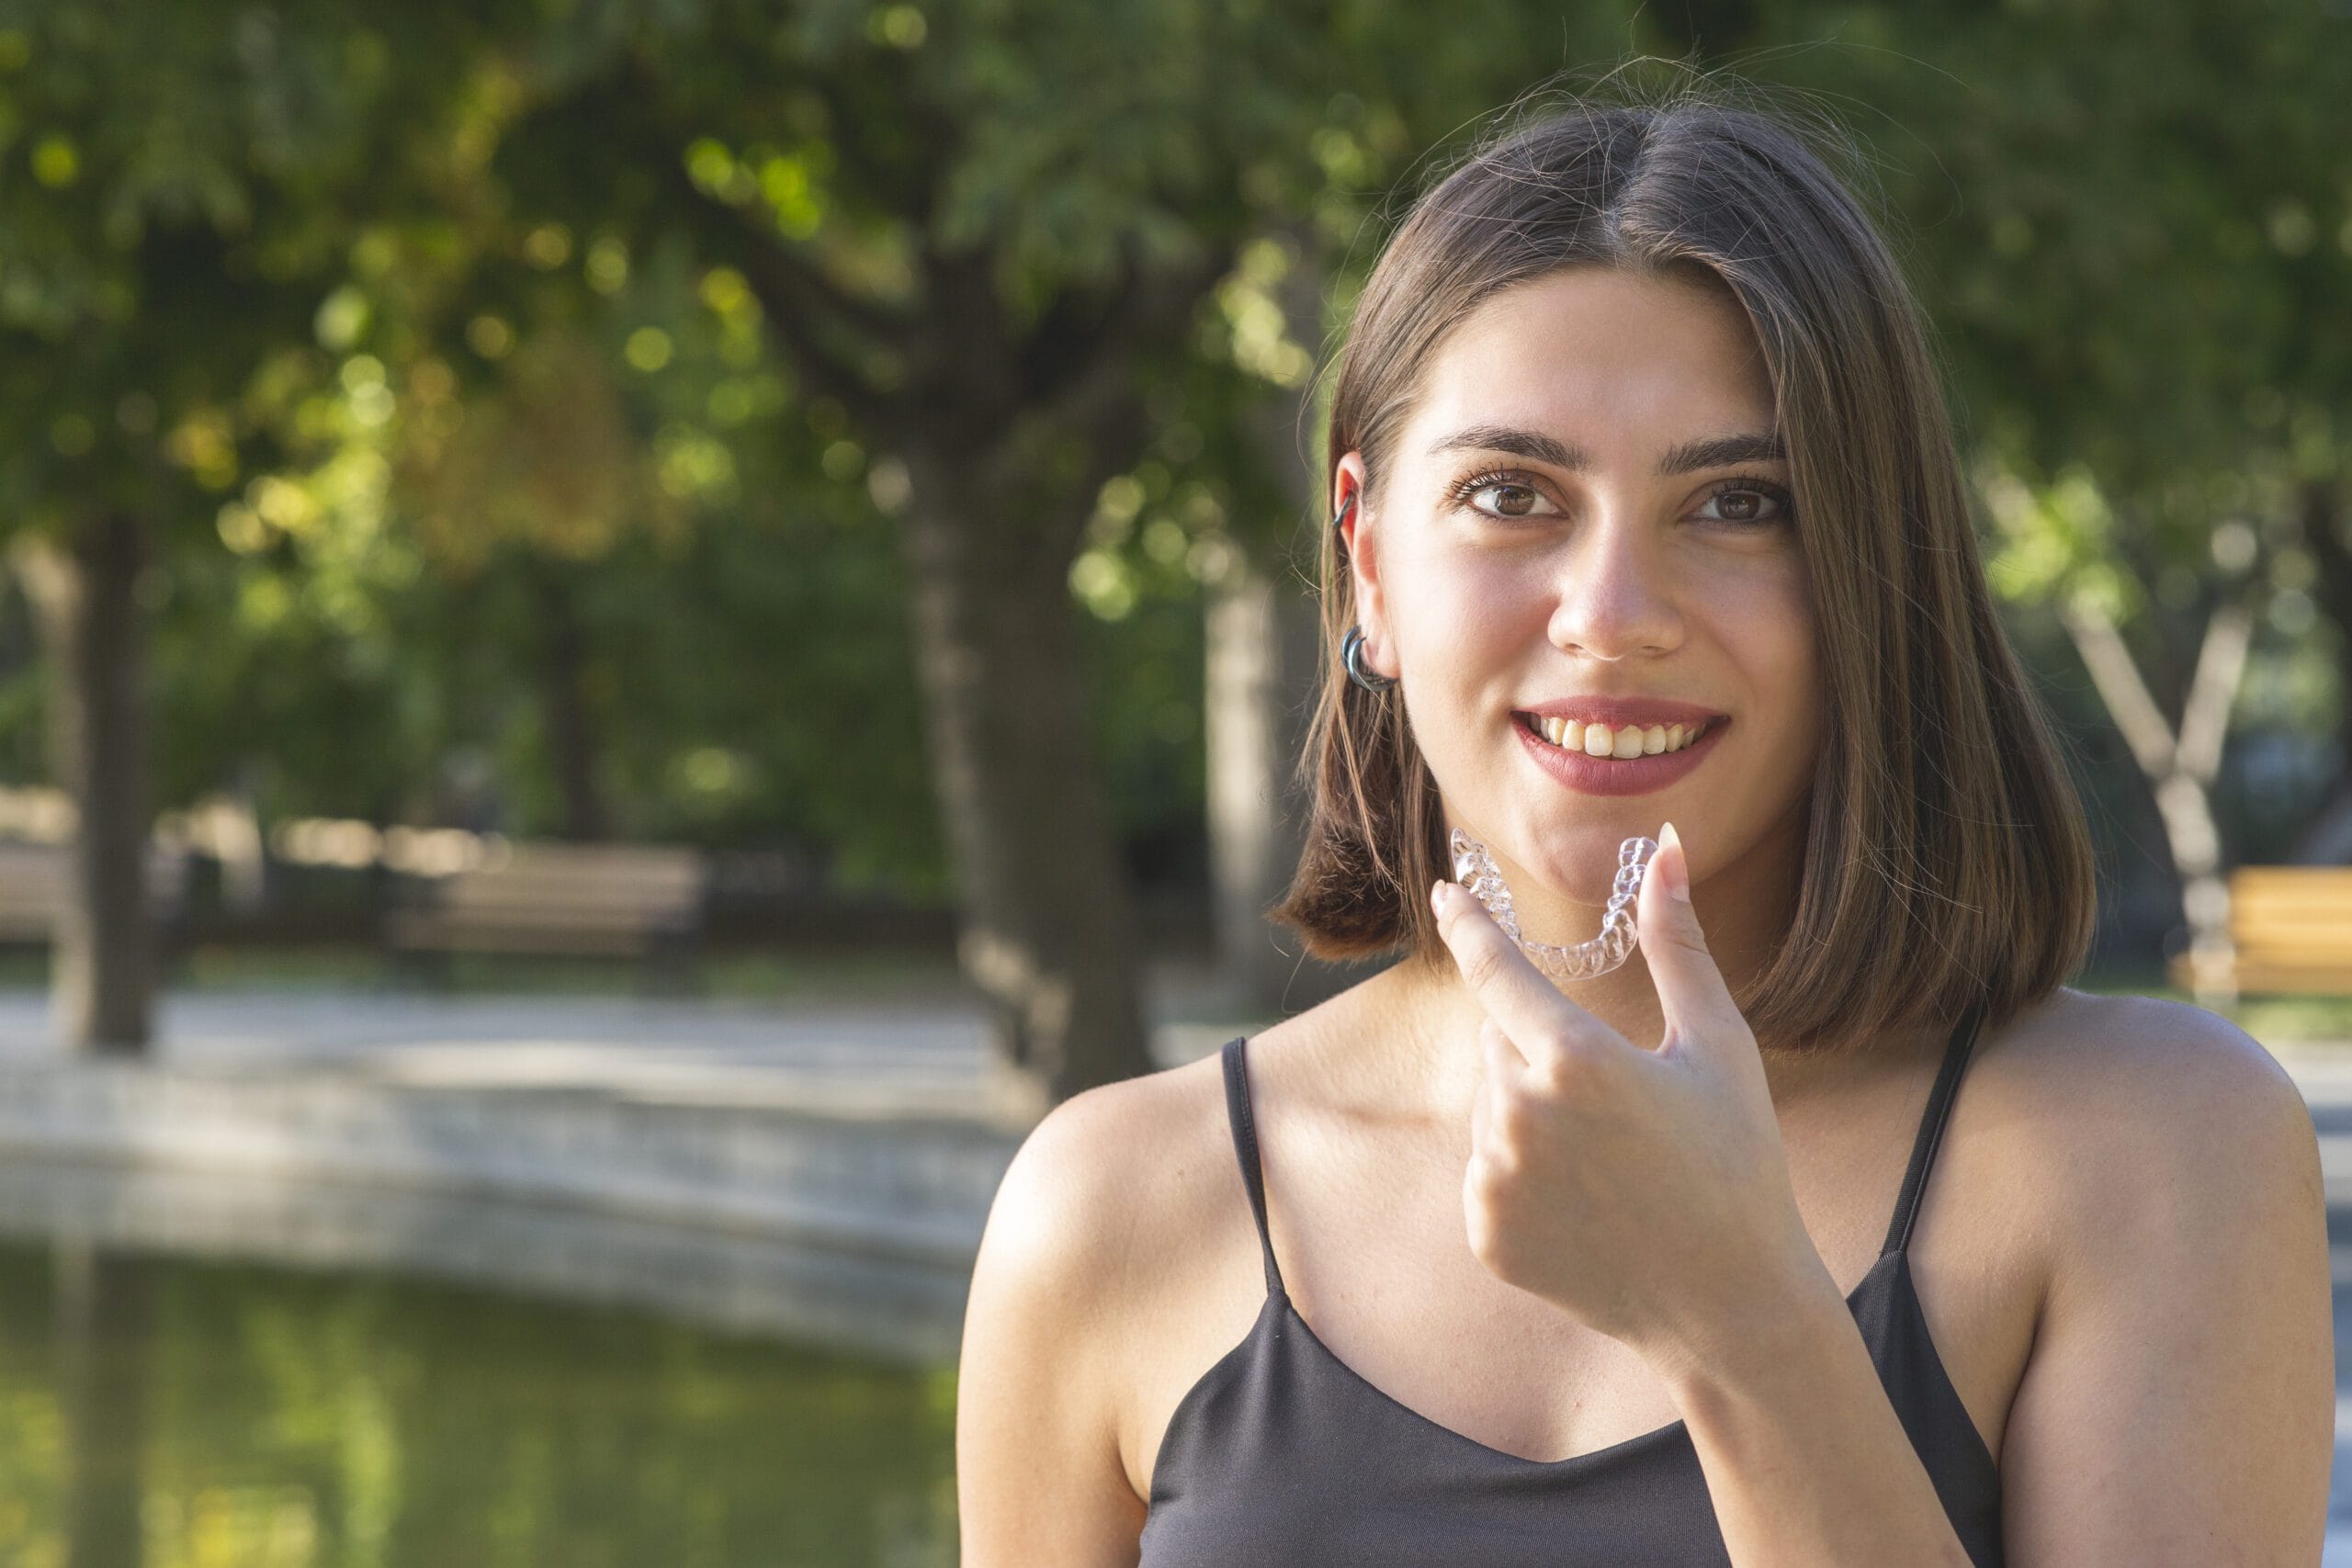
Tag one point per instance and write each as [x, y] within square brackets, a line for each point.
[845, 1058]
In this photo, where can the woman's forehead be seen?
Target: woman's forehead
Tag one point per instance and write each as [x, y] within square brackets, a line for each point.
[1593, 358]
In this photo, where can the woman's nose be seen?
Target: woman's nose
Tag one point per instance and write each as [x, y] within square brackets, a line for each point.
[1616, 595]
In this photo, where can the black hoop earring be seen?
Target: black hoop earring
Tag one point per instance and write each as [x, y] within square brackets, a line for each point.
[1351, 646]
[1340, 540]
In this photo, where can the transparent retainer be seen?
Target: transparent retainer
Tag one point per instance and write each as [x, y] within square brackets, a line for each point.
[1475, 870]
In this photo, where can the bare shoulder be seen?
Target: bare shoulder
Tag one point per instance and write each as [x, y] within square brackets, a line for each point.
[1098, 1204]
[2088, 1115]
[2142, 1063]
[1102, 1184]
[2180, 1385]
[2116, 1114]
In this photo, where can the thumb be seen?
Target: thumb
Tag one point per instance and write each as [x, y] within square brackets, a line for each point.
[1690, 989]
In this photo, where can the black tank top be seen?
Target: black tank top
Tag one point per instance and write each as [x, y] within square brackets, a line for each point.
[1282, 1455]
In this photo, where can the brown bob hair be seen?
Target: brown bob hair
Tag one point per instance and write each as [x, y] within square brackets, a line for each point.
[1947, 860]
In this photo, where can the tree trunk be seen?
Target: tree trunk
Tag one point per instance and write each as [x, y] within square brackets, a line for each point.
[237, 841]
[2180, 769]
[1264, 640]
[2327, 839]
[1046, 917]
[1262, 637]
[572, 741]
[85, 595]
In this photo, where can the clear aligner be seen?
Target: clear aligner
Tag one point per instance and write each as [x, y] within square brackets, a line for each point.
[1475, 870]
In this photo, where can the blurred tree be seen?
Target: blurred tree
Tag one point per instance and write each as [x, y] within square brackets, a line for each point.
[998, 240]
[2141, 279]
[977, 236]
[172, 179]
[456, 332]
[518, 491]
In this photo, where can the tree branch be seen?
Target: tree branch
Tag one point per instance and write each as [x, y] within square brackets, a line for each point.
[799, 301]
[2332, 554]
[2120, 686]
[1159, 305]
[781, 288]
[2212, 691]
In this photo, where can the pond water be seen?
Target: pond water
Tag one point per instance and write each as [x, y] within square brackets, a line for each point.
[164, 1413]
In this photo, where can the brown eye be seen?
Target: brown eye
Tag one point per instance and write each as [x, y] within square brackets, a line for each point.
[1513, 500]
[1514, 497]
[1750, 502]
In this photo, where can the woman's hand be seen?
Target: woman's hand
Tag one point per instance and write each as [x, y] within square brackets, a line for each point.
[1645, 1191]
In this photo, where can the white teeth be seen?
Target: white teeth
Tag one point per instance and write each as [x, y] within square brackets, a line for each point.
[1632, 740]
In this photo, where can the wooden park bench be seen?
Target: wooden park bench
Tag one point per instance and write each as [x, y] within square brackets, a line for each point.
[628, 901]
[2292, 928]
[34, 878]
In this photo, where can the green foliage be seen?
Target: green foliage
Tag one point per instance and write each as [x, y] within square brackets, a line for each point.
[175, 179]
[390, 327]
[2136, 237]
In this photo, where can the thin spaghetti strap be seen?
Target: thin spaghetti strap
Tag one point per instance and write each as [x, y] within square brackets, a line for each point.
[1931, 1129]
[1245, 1148]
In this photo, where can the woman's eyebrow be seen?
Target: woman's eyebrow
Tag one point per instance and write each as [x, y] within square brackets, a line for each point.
[1688, 457]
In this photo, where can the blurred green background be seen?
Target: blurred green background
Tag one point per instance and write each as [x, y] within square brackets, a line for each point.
[825, 433]
[872, 446]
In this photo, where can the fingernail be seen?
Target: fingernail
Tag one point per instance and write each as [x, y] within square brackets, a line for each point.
[1441, 895]
[1678, 876]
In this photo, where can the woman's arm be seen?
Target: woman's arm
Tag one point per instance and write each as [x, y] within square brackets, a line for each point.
[2179, 1406]
[1038, 1477]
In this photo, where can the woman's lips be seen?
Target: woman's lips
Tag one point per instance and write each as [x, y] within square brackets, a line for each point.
[1608, 775]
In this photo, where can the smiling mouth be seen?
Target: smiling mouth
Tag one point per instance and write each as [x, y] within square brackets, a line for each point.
[1621, 742]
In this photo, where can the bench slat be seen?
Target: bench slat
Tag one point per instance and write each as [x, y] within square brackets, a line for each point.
[2292, 926]
[561, 899]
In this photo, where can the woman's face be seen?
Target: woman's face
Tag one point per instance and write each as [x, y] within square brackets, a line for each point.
[1568, 518]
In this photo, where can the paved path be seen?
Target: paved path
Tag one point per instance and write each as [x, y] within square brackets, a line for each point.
[914, 1056]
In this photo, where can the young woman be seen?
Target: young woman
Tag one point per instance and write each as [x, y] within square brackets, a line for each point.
[1832, 1227]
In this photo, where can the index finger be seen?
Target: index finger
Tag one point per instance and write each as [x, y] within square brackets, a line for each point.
[1533, 1014]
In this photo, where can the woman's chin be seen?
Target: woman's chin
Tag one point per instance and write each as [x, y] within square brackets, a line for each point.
[1568, 882]
[1581, 872]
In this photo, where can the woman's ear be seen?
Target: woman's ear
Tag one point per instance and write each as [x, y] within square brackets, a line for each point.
[1359, 540]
